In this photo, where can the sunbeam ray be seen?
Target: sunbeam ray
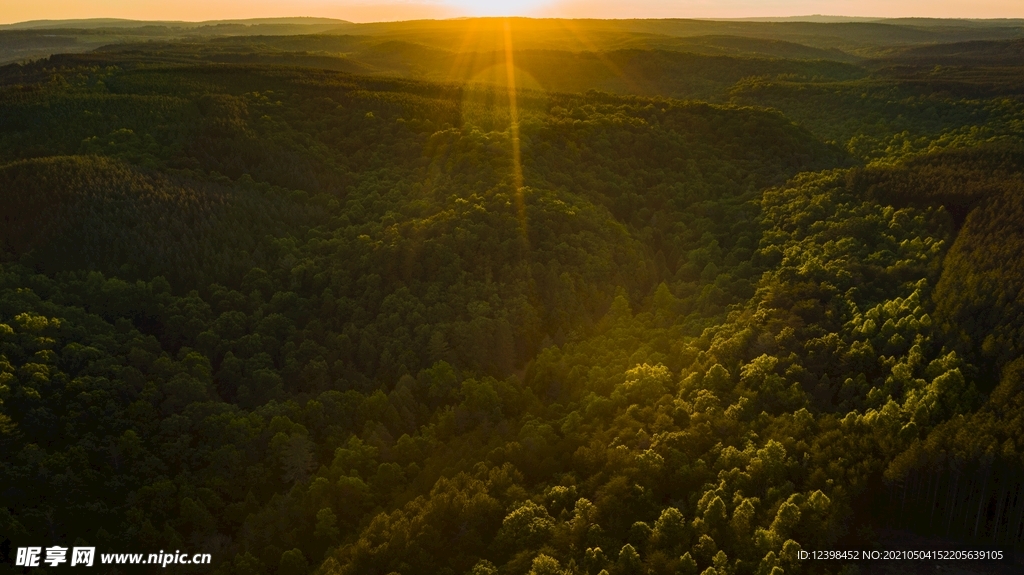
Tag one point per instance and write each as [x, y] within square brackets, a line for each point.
[513, 108]
[460, 60]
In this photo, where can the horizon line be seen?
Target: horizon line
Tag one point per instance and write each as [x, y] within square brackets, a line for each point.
[796, 18]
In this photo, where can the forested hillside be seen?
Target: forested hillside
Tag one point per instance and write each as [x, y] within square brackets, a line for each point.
[361, 304]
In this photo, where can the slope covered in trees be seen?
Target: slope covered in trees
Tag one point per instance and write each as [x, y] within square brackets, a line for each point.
[702, 68]
[311, 321]
[92, 213]
[980, 290]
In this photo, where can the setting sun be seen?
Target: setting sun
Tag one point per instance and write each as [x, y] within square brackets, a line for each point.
[498, 7]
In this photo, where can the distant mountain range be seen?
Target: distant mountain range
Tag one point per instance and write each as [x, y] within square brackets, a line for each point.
[100, 23]
[816, 37]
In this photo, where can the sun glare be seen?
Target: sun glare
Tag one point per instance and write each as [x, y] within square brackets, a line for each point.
[498, 7]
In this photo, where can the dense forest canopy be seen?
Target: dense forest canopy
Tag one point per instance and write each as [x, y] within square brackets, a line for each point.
[569, 297]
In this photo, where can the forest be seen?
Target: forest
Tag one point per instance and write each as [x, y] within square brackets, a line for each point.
[511, 296]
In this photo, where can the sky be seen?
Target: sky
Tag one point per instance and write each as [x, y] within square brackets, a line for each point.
[367, 11]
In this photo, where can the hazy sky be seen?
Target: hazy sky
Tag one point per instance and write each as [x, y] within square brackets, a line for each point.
[366, 10]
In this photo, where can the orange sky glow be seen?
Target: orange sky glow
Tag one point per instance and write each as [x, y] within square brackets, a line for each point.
[366, 11]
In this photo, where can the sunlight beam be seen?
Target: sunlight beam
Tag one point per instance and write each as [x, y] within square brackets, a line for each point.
[460, 59]
[513, 108]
